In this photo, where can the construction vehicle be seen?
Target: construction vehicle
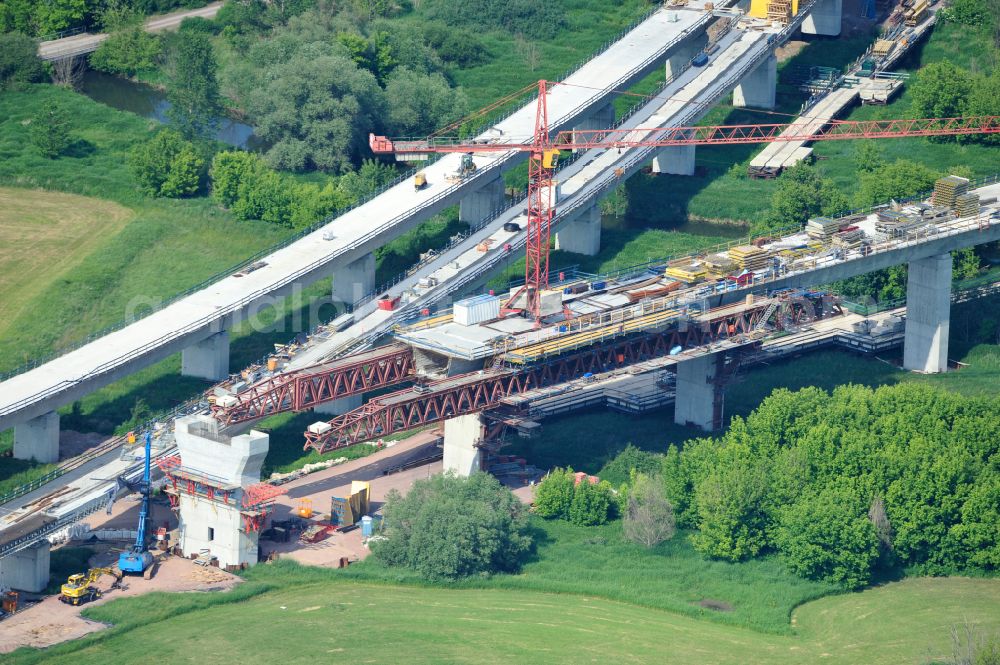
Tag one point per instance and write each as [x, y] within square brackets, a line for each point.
[465, 168]
[139, 560]
[79, 588]
[419, 181]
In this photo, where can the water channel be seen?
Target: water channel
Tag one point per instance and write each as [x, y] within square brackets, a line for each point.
[149, 102]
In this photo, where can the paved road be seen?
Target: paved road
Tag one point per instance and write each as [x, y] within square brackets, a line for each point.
[66, 47]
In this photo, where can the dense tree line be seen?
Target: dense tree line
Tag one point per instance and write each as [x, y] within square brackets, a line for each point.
[843, 485]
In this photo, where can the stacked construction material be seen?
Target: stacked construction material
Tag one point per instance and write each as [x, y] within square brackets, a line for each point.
[948, 189]
[686, 271]
[718, 265]
[848, 236]
[896, 223]
[822, 228]
[967, 205]
[779, 11]
[748, 257]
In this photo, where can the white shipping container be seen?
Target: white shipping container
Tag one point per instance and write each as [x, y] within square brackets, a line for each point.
[320, 427]
[226, 401]
[476, 309]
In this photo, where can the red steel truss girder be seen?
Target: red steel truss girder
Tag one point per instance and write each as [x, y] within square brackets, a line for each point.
[309, 386]
[470, 393]
[712, 135]
[259, 494]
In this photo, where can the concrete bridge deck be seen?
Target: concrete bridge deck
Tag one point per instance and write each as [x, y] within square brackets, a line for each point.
[347, 239]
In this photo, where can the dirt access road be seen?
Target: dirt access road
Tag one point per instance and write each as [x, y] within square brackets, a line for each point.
[52, 621]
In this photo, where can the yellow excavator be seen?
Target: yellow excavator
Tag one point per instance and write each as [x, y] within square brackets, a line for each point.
[79, 588]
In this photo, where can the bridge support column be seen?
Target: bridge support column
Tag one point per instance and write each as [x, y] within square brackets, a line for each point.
[215, 522]
[355, 280]
[675, 160]
[28, 570]
[695, 402]
[602, 118]
[461, 454]
[679, 58]
[757, 89]
[928, 307]
[582, 233]
[38, 439]
[208, 359]
[824, 19]
[482, 203]
[338, 407]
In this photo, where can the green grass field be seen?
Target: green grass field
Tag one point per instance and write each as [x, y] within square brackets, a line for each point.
[326, 619]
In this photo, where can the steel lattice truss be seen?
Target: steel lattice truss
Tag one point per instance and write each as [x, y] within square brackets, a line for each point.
[470, 393]
[301, 389]
[257, 502]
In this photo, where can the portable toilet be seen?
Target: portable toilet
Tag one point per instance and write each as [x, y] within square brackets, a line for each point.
[367, 526]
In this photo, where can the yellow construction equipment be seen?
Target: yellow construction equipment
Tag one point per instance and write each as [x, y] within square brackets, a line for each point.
[79, 588]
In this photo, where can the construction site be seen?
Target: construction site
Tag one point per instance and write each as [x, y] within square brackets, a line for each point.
[181, 504]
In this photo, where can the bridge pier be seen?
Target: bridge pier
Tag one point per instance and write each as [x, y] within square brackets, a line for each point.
[581, 233]
[602, 118]
[928, 308]
[476, 207]
[695, 404]
[824, 19]
[27, 570]
[674, 160]
[679, 58]
[355, 280]
[38, 439]
[757, 89]
[339, 407]
[461, 436]
[213, 521]
[208, 359]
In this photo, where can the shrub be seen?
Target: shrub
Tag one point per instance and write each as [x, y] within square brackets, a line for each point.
[49, 131]
[592, 504]
[127, 52]
[448, 527]
[19, 61]
[554, 494]
[166, 165]
[649, 517]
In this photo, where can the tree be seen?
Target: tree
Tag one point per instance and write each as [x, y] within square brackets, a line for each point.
[313, 203]
[801, 194]
[193, 91]
[19, 61]
[984, 99]
[420, 103]
[166, 165]
[266, 197]
[966, 264]
[592, 503]
[940, 90]
[629, 461]
[868, 156]
[127, 52]
[732, 512]
[316, 110]
[184, 174]
[447, 527]
[230, 169]
[898, 180]
[554, 494]
[49, 131]
[828, 536]
[53, 16]
[649, 517]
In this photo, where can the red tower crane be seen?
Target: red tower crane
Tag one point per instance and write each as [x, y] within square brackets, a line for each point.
[543, 152]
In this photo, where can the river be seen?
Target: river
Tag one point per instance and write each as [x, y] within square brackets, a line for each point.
[149, 102]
